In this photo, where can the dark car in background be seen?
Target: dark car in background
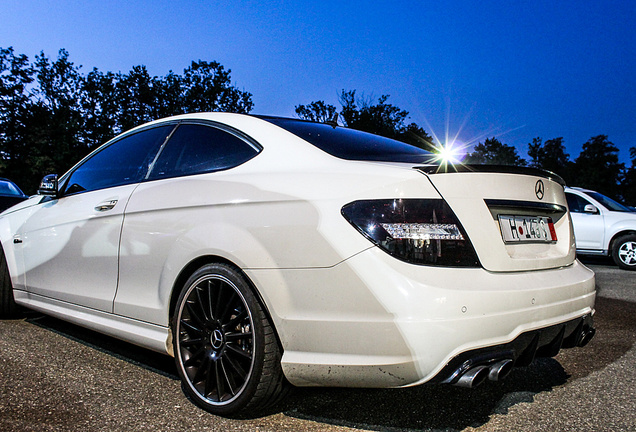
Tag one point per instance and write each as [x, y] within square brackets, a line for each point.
[10, 194]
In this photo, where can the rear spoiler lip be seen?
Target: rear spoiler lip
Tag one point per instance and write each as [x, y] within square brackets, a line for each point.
[502, 169]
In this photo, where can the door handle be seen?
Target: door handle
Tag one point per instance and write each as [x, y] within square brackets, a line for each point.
[106, 205]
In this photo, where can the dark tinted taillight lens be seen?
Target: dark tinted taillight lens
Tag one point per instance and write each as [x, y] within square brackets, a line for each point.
[418, 231]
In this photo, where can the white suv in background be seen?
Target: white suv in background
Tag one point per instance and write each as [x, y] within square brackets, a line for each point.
[603, 227]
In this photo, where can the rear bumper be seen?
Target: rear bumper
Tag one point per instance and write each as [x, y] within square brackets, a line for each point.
[374, 321]
[544, 342]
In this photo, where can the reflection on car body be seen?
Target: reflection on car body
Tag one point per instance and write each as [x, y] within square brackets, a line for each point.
[10, 194]
[263, 251]
[603, 226]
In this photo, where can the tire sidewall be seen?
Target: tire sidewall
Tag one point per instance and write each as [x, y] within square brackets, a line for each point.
[248, 391]
[618, 243]
[8, 307]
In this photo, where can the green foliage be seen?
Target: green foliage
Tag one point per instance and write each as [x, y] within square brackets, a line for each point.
[51, 114]
[628, 181]
[494, 152]
[316, 111]
[597, 166]
[549, 156]
[380, 118]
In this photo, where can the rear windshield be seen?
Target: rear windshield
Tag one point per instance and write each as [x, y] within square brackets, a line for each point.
[352, 144]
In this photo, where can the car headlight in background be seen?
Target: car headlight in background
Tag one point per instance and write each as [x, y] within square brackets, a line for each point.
[418, 231]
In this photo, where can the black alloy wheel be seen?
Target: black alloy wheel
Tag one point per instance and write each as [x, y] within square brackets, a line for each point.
[225, 349]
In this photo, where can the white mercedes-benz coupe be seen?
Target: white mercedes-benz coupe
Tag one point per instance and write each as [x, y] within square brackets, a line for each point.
[263, 251]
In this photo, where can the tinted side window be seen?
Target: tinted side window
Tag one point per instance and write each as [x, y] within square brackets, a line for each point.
[196, 149]
[122, 162]
[576, 204]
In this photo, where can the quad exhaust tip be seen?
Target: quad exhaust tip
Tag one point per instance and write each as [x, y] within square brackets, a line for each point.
[500, 370]
[586, 335]
[478, 374]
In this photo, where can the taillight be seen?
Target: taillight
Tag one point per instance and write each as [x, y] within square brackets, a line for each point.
[418, 231]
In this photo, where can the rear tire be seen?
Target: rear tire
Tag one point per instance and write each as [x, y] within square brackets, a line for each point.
[8, 308]
[226, 352]
[624, 252]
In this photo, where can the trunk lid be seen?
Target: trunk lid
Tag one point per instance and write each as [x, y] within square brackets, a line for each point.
[484, 198]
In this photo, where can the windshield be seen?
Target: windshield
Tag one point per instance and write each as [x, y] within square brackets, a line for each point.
[609, 203]
[8, 188]
[351, 144]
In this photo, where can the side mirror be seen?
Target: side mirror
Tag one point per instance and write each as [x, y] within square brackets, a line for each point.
[589, 208]
[48, 186]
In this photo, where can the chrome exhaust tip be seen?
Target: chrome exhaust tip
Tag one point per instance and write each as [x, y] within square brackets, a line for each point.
[500, 370]
[473, 377]
[586, 335]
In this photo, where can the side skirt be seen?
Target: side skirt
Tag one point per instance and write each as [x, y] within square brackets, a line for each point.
[147, 335]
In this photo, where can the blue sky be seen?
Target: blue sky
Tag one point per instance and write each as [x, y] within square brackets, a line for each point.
[510, 69]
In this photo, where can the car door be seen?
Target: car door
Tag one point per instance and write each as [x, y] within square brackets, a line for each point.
[178, 200]
[71, 243]
[589, 227]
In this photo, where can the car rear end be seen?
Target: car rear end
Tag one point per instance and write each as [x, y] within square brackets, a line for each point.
[446, 275]
[491, 276]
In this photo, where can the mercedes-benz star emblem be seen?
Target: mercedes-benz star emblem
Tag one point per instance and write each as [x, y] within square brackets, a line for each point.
[216, 339]
[539, 189]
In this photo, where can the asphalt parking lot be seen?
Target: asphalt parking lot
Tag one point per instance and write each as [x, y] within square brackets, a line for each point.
[58, 377]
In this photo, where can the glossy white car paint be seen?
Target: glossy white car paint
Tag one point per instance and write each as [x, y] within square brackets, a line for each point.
[346, 313]
[595, 230]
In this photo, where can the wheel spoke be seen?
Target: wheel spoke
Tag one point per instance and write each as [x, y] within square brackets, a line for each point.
[237, 367]
[240, 351]
[219, 384]
[219, 302]
[193, 360]
[201, 371]
[231, 337]
[202, 305]
[192, 342]
[210, 302]
[231, 324]
[231, 303]
[187, 327]
[229, 379]
[209, 379]
[195, 315]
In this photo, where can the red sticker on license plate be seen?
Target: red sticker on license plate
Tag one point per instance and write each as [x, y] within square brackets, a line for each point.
[527, 229]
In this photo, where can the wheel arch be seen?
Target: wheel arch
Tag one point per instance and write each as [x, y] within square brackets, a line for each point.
[199, 262]
[616, 236]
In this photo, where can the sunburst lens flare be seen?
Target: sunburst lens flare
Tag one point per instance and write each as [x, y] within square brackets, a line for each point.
[449, 154]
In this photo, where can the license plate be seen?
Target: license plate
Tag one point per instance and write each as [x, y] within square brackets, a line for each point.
[527, 229]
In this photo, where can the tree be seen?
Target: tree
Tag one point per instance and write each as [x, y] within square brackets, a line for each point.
[51, 115]
[493, 152]
[136, 98]
[597, 167]
[99, 108]
[16, 75]
[380, 118]
[316, 111]
[551, 156]
[628, 181]
[56, 122]
[206, 87]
